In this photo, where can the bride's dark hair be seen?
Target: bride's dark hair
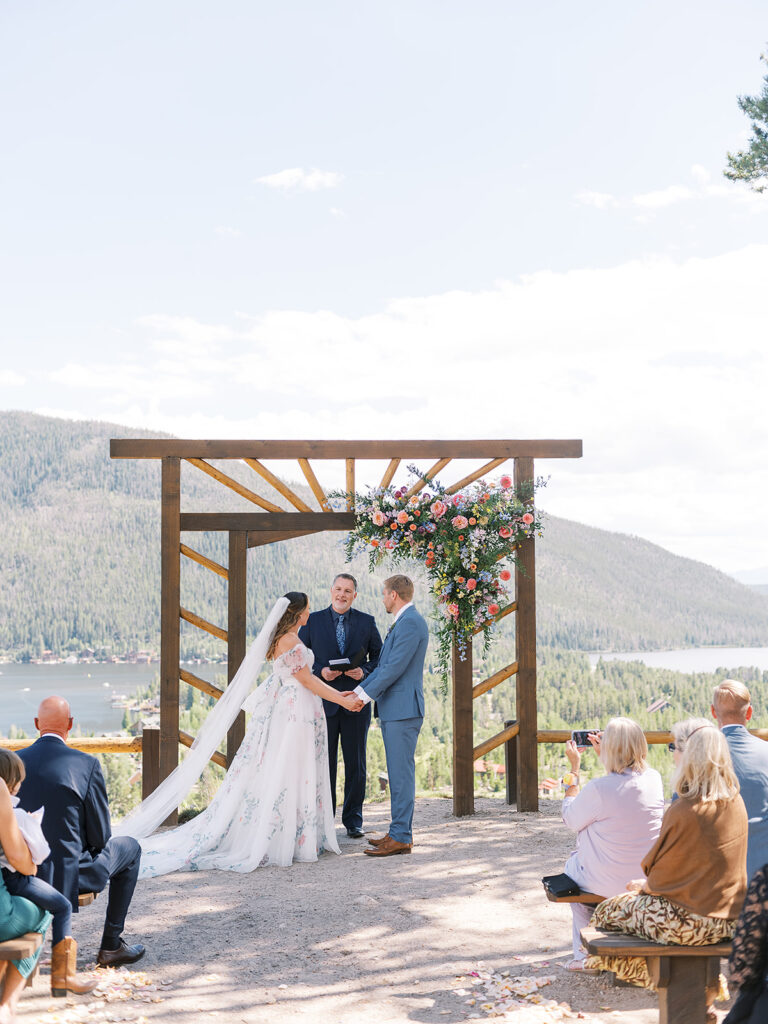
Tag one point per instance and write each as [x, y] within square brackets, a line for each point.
[297, 602]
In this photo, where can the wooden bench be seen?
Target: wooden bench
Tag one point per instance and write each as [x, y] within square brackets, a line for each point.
[18, 949]
[680, 973]
[590, 898]
[86, 898]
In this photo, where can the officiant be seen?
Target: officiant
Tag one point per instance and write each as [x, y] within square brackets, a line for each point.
[346, 645]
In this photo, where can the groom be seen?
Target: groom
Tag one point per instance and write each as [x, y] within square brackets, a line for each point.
[397, 687]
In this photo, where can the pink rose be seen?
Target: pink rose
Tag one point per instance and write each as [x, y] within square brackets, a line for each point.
[471, 583]
[438, 509]
[402, 517]
[378, 517]
[389, 545]
[505, 575]
[506, 481]
[453, 610]
[459, 522]
[458, 499]
[505, 532]
[527, 518]
[493, 609]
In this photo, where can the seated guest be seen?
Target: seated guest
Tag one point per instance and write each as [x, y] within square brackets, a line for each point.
[17, 915]
[732, 708]
[85, 857]
[749, 959]
[695, 871]
[18, 883]
[616, 818]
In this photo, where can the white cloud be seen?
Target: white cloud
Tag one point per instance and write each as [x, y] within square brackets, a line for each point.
[224, 231]
[600, 200]
[672, 195]
[11, 379]
[296, 179]
[664, 197]
[654, 363]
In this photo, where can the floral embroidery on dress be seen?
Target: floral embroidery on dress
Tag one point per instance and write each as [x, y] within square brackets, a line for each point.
[274, 805]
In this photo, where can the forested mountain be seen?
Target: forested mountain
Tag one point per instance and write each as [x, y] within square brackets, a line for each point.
[80, 560]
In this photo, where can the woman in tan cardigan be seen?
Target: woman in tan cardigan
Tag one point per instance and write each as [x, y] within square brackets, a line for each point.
[696, 875]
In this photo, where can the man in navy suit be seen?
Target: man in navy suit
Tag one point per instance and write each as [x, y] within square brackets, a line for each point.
[85, 857]
[731, 706]
[397, 686]
[333, 633]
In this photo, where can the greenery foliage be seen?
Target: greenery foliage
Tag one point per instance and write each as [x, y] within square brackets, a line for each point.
[751, 164]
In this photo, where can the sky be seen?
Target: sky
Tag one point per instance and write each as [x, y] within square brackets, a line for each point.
[423, 219]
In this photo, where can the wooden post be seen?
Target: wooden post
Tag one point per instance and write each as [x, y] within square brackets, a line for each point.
[525, 642]
[463, 737]
[150, 761]
[170, 604]
[510, 763]
[238, 552]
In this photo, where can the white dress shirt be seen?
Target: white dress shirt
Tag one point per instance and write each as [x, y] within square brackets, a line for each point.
[358, 690]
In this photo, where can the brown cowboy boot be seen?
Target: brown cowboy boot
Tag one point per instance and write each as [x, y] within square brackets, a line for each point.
[64, 970]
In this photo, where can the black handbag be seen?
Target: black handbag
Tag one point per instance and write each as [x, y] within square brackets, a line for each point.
[561, 885]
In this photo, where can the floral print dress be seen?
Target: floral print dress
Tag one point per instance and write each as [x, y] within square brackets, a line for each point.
[274, 805]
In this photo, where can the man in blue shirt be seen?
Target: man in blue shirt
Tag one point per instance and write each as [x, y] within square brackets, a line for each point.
[732, 708]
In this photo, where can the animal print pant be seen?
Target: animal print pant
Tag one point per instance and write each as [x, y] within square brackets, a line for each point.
[657, 919]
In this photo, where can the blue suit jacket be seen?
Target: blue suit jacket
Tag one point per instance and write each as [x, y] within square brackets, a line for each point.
[750, 762]
[319, 635]
[397, 685]
[70, 786]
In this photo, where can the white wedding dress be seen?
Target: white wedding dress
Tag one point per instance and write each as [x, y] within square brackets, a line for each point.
[274, 805]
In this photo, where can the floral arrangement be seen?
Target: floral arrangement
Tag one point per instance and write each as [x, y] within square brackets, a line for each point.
[465, 541]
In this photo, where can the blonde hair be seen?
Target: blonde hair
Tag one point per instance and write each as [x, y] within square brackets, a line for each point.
[401, 585]
[705, 773]
[731, 699]
[623, 746]
[682, 730]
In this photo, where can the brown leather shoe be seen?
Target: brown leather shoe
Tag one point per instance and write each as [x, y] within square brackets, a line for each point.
[388, 847]
[378, 842]
[122, 955]
[64, 977]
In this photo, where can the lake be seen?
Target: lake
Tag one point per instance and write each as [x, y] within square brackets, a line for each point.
[693, 659]
[88, 688]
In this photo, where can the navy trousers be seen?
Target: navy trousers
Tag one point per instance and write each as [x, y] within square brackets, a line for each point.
[45, 897]
[352, 730]
[119, 862]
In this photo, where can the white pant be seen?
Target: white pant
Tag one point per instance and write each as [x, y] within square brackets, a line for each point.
[582, 913]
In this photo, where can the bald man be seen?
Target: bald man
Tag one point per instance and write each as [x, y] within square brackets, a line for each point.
[732, 707]
[85, 857]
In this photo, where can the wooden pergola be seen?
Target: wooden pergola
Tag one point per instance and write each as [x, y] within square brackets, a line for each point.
[272, 523]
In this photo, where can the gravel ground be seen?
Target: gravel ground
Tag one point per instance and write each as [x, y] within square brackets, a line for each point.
[355, 939]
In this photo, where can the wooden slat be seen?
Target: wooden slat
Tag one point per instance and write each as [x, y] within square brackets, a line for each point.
[525, 644]
[201, 623]
[510, 762]
[185, 448]
[150, 761]
[494, 680]
[506, 610]
[495, 741]
[590, 898]
[234, 485]
[88, 744]
[389, 472]
[619, 944]
[260, 538]
[238, 564]
[463, 767]
[429, 475]
[561, 735]
[477, 475]
[85, 899]
[293, 522]
[203, 560]
[200, 684]
[314, 484]
[186, 741]
[170, 599]
[22, 947]
[278, 485]
[350, 465]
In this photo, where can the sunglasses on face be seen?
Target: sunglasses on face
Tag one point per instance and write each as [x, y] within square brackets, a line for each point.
[671, 748]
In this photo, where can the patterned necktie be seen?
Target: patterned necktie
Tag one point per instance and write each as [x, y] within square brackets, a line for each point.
[341, 636]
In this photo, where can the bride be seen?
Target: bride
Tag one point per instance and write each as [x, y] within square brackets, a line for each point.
[274, 805]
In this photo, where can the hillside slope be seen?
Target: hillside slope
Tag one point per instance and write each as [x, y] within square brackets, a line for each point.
[79, 560]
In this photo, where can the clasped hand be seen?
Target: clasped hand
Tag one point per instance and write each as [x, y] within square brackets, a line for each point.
[351, 701]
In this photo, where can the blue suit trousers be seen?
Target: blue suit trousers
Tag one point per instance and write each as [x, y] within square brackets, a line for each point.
[400, 738]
